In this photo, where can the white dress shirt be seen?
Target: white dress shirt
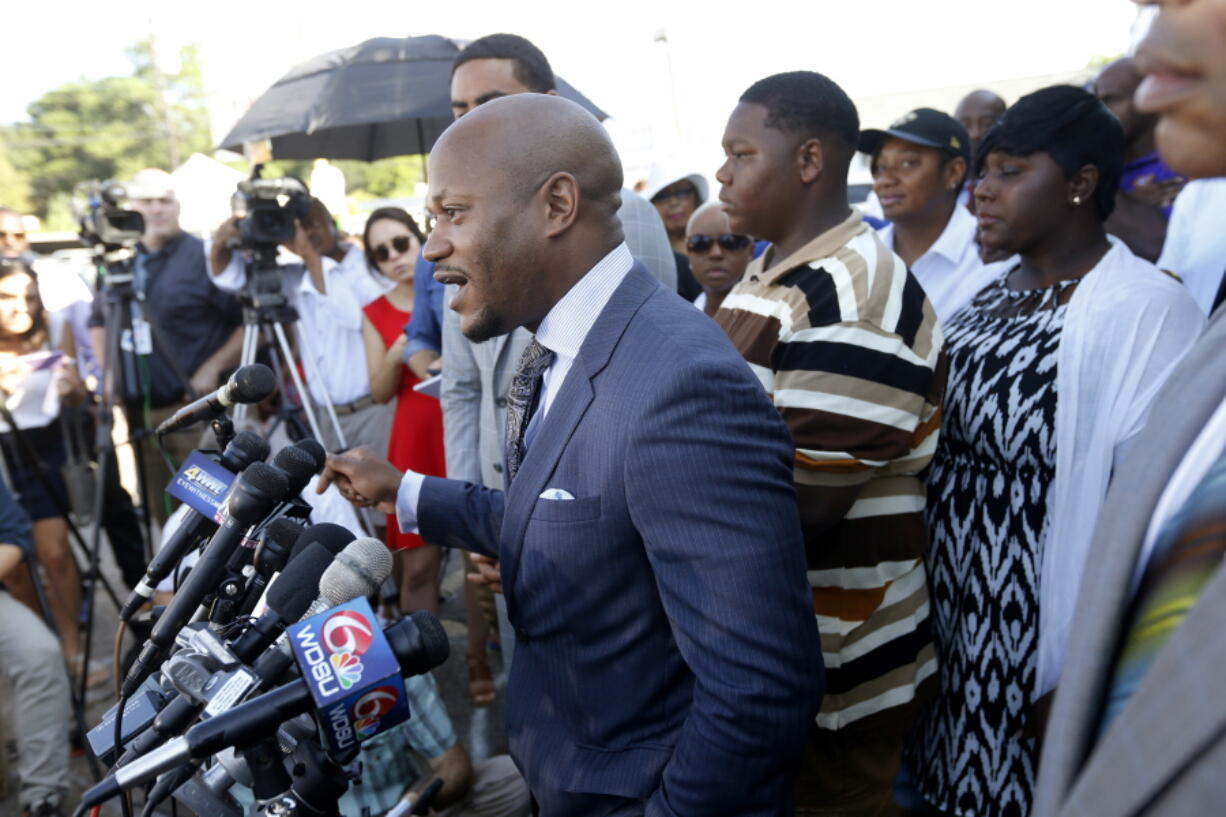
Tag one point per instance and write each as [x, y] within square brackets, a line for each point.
[563, 332]
[332, 321]
[950, 272]
[1195, 245]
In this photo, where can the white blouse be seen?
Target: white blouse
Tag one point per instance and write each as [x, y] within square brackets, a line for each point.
[1127, 326]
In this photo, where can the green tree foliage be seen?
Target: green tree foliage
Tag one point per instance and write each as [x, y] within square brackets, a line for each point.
[392, 178]
[157, 117]
[14, 187]
[109, 128]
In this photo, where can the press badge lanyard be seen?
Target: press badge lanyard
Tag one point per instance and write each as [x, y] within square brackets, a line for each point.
[140, 338]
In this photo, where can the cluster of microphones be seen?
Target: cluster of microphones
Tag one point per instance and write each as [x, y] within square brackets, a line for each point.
[268, 666]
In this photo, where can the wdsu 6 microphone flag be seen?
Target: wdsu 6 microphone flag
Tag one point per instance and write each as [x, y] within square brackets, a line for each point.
[352, 673]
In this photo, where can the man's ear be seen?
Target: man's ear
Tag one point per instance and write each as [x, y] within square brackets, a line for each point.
[810, 160]
[561, 193]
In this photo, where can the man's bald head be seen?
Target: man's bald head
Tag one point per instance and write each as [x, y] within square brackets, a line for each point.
[978, 111]
[531, 137]
[526, 189]
[1115, 86]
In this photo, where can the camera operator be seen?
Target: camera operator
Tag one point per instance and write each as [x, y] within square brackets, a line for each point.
[197, 332]
[328, 289]
[30, 658]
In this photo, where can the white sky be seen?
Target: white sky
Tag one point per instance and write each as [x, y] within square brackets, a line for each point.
[870, 47]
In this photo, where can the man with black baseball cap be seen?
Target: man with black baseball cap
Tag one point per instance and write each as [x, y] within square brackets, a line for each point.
[919, 165]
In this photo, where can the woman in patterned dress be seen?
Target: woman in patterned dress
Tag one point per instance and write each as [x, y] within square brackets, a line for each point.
[1051, 367]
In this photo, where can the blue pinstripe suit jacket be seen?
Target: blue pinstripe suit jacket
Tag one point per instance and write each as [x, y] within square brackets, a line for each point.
[667, 651]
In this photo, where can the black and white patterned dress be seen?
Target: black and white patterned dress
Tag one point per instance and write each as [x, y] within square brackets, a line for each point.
[987, 505]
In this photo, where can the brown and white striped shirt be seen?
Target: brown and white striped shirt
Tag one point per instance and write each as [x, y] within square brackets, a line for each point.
[846, 343]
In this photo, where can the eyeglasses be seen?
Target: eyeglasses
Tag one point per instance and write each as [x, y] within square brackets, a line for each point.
[670, 195]
[729, 241]
[400, 244]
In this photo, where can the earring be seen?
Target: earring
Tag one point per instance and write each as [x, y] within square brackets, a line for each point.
[1076, 201]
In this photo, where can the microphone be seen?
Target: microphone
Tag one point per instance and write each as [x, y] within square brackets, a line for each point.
[270, 557]
[288, 599]
[312, 447]
[250, 384]
[273, 552]
[332, 536]
[357, 572]
[339, 583]
[412, 645]
[254, 494]
[299, 465]
[246, 448]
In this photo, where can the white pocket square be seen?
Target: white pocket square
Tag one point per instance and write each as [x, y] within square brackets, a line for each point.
[556, 493]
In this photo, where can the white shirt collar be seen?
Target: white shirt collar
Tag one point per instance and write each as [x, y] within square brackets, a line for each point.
[959, 233]
[566, 326]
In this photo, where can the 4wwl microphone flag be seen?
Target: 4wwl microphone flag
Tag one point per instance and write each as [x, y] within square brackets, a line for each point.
[352, 673]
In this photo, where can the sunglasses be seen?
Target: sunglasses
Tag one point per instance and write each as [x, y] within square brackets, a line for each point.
[729, 241]
[400, 244]
[671, 195]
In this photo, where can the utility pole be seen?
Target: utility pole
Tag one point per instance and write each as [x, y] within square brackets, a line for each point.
[662, 37]
[164, 106]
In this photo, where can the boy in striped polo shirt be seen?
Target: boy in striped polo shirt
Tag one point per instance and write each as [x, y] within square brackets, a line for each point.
[846, 343]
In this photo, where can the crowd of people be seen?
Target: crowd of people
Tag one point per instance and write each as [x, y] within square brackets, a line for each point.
[774, 505]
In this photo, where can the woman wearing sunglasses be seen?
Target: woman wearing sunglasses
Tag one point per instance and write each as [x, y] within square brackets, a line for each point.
[393, 240]
[717, 255]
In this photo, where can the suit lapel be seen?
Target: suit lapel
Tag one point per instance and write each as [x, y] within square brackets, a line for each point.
[1106, 598]
[565, 413]
[496, 345]
[1174, 714]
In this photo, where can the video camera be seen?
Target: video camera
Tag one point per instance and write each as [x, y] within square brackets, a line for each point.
[268, 209]
[103, 222]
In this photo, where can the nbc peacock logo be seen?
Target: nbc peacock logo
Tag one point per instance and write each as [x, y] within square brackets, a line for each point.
[347, 667]
[347, 635]
[369, 710]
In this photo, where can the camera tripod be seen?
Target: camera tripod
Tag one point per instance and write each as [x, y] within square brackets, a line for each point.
[128, 344]
[267, 312]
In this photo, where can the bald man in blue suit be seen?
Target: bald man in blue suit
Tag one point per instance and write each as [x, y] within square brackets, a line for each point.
[667, 658]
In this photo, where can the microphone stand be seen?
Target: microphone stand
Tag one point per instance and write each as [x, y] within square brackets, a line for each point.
[318, 785]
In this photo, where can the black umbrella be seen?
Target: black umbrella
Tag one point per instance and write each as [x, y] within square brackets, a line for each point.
[384, 97]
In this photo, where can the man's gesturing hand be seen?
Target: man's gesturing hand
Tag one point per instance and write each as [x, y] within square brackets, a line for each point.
[362, 477]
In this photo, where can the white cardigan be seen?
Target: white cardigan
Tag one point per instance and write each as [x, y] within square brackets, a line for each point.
[1127, 326]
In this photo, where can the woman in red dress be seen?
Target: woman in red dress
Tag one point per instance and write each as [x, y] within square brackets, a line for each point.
[393, 241]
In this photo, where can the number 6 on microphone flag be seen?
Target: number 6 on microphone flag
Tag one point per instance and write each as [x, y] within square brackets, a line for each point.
[352, 673]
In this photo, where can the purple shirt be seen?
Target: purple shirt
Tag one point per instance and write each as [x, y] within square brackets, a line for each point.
[1147, 170]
